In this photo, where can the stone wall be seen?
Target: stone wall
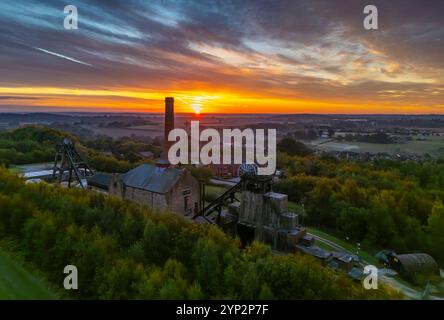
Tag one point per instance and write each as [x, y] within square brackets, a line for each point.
[116, 187]
[144, 197]
[186, 187]
[189, 187]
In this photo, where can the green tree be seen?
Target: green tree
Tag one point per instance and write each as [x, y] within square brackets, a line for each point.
[436, 226]
[293, 147]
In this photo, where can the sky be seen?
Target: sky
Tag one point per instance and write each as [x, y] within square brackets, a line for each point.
[226, 56]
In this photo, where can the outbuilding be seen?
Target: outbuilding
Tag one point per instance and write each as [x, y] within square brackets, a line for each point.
[413, 264]
[100, 182]
[159, 187]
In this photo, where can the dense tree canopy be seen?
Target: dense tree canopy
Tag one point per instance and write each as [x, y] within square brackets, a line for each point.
[29, 145]
[388, 204]
[123, 251]
[293, 147]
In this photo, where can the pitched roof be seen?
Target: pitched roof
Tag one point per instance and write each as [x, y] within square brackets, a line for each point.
[345, 257]
[100, 180]
[356, 274]
[314, 251]
[152, 178]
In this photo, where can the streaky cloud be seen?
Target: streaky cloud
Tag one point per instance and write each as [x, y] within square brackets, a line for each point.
[62, 56]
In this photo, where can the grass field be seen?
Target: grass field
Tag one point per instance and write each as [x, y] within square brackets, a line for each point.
[420, 145]
[16, 283]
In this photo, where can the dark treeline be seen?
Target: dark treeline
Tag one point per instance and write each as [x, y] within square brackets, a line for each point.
[125, 148]
[384, 204]
[379, 138]
[123, 251]
[293, 147]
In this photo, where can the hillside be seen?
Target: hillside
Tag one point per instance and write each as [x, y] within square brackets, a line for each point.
[123, 251]
[18, 283]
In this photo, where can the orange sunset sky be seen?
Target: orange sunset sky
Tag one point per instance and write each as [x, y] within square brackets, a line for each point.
[223, 57]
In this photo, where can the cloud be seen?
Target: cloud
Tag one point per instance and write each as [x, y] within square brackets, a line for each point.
[282, 49]
[18, 98]
[62, 56]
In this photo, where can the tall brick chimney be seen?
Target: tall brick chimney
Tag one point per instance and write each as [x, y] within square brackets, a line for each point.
[169, 123]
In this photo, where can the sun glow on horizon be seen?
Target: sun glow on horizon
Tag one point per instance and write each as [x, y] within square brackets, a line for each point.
[197, 102]
[196, 109]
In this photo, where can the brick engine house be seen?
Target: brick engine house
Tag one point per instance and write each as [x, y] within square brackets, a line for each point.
[160, 186]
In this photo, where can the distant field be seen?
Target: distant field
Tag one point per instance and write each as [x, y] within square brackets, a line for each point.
[117, 133]
[18, 284]
[431, 145]
[152, 126]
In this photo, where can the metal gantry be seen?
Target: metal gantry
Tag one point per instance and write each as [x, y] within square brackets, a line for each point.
[217, 205]
[68, 160]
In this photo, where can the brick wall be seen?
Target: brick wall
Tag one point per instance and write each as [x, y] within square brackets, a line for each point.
[186, 187]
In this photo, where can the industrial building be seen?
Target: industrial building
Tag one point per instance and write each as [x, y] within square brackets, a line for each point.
[159, 187]
[251, 210]
[412, 265]
[100, 182]
[264, 215]
[260, 214]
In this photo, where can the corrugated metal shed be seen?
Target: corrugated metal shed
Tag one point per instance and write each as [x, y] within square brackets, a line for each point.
[152, 178]
[415, 263]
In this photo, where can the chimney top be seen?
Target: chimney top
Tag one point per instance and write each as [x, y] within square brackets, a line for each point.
[169, 124]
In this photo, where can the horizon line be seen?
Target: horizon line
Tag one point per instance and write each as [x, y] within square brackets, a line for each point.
[219, 113]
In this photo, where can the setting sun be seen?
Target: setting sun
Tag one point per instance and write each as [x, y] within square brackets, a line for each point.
[196, 103]
[196, 108]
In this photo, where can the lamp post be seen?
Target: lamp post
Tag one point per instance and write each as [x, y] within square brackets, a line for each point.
[303, 211]
[303, 215]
